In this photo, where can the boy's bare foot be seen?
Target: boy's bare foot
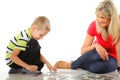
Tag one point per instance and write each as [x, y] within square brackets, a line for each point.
[62, 65]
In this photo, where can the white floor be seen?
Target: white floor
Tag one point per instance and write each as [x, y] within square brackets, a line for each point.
[61, 74]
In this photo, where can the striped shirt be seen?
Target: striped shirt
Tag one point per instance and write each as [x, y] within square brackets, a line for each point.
[19, 41]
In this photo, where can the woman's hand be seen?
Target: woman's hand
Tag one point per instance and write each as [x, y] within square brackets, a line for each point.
[101, 51]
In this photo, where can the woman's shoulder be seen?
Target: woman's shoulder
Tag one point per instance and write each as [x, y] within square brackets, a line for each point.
[93, 24]
[92, 28]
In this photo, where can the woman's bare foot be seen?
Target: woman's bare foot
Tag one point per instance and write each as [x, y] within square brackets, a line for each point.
[63, 65]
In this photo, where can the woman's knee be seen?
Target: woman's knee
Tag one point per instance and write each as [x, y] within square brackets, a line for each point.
[100, 69]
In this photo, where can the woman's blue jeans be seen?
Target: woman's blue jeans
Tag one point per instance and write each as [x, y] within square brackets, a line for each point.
[92, 62]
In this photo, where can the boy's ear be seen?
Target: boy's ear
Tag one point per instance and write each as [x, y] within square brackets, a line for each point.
[33, 28]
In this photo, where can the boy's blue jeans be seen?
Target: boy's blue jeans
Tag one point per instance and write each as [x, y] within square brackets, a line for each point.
[92, 62]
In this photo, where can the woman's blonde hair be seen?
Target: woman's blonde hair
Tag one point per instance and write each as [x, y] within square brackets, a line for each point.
[42, 22]
[108, 9]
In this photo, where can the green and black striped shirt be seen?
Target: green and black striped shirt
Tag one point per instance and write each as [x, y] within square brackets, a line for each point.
[18, 42]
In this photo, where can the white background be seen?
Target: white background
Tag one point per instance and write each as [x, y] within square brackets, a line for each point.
[69, 22]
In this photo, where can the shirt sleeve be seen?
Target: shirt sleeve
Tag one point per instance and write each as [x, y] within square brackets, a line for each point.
[92, 29]
[21, 45]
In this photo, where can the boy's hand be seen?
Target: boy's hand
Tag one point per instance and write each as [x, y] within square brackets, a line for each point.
[32, 68]
[51, 68]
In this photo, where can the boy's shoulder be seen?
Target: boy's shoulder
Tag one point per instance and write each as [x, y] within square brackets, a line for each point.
[24, 34]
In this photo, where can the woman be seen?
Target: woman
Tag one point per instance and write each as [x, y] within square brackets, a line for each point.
[99, 50]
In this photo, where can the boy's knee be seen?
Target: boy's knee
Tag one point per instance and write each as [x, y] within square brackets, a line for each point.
[40, 66]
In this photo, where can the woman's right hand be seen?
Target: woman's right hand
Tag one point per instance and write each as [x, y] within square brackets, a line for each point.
[101, 51]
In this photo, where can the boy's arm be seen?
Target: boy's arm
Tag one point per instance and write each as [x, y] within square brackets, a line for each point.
[44, 60]
[16, 59]
[19, 62]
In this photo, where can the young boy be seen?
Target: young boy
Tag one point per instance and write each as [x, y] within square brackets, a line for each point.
[23, 51]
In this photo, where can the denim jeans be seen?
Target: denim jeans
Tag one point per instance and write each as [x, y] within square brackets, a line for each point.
[92, 62]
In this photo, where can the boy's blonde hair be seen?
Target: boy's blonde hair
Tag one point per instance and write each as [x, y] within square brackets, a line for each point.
[42, 22]
[108, 9]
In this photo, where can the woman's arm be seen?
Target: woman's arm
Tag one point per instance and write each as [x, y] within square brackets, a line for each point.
[87, 45]
[118, 53]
